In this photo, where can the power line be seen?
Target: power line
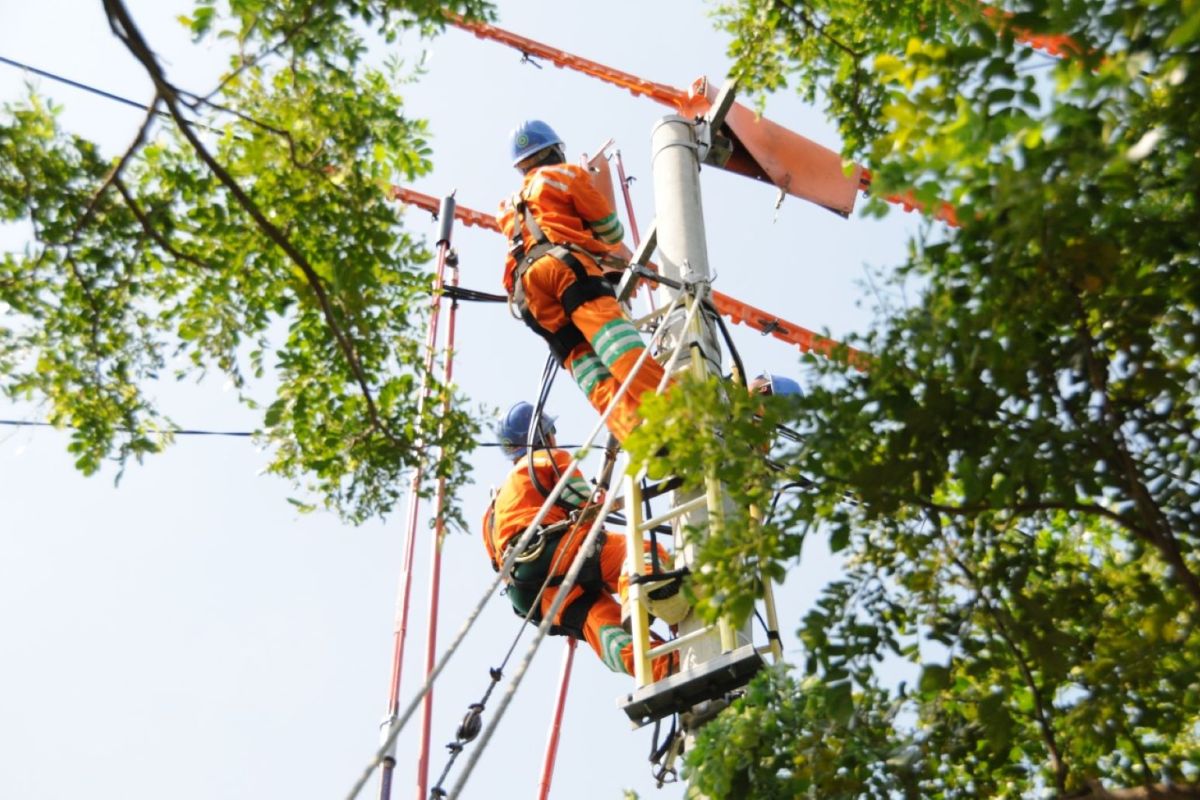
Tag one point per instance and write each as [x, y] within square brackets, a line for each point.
[76, 84]
[16, 423]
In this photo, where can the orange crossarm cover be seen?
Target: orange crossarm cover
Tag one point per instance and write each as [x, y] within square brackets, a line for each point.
[808, 341]
[660, 92]
[736, 310]
[1059, 45]
[431, 204]
[763, 149]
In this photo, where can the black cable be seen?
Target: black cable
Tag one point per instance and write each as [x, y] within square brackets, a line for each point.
[772, 636]
[533, 435]
[801, 484]
[712, 312]
[99, 92]
[459, 293]
[16, 423]
[655, 566]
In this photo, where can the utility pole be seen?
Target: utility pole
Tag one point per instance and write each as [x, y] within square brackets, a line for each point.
[713, 659]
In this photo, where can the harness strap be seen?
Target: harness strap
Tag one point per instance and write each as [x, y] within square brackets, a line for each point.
[527, 580]
[585, 287]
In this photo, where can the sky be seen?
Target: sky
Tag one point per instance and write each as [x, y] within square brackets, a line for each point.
[188, 632]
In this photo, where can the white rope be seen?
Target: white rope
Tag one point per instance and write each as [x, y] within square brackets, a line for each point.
[560, 598]
[398, 724]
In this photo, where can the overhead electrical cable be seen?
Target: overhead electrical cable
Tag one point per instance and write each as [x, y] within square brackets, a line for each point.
[73, 83]
[16, 423]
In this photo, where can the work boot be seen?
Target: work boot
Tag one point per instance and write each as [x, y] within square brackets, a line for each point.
[665, 600]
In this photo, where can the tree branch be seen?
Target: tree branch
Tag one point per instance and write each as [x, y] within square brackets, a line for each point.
[154, 234]
[124, 29]
[1039, 707]
[1157, 529]
[288, 35]
[118, 168]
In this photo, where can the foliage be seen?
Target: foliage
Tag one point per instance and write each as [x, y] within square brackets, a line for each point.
[1012, 480]
[1070, 663]
[743, 429]
[248, 230]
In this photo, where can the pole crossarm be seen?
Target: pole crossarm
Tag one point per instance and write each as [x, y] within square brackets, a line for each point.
[659, 92]
[766, 323]
[760, 149]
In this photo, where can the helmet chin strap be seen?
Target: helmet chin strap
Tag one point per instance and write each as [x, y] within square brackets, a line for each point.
[553, 154]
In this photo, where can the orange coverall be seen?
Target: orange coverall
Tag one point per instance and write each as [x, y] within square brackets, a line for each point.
[516, 506]
[568, 210]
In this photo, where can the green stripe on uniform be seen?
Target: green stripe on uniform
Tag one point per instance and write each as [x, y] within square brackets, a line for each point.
[604, 223]
[588, 371]
[616, 235]
[614, 339]
[632, 344]
[608, 229]
[613, 639]
[610, 330]
[579, 488]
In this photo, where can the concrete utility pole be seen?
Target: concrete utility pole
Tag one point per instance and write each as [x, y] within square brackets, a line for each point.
[679, 146]
[683, 256]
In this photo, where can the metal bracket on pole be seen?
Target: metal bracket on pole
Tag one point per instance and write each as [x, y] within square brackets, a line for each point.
[385, 731]
[714, 148]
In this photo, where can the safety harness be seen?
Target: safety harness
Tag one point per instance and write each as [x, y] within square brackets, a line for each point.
[586, 287]
[532, 566]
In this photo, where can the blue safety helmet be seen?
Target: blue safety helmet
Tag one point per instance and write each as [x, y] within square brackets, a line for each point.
[530, 137]
[776, 384]
[514, 430]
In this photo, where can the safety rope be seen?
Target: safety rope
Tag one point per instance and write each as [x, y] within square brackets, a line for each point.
[519, 546]
[469, 728]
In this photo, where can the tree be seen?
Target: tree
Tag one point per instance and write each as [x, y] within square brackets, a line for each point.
[259, 205]
[1012, 479]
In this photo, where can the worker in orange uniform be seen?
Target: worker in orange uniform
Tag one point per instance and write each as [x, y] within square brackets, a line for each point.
[591, 611]
[560, 230]
[770, 384]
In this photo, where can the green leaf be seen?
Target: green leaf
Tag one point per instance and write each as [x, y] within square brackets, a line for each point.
[934, 678]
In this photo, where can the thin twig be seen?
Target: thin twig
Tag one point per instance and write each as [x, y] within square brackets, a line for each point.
[154, 234]
[117, 169]
[1039, 706]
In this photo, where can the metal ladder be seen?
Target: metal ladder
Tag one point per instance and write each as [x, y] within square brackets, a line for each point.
[739, 659]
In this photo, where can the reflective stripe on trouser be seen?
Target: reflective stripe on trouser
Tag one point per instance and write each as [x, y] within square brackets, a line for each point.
[602, 627]
[614, 345]
[601, 366]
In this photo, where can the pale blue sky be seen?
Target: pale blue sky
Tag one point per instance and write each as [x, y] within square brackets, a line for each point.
[188, 634]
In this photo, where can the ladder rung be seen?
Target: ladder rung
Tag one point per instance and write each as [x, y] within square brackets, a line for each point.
[648, 318]
[670, 514]
[680, 641]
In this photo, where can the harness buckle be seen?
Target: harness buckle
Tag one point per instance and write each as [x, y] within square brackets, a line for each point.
[537, 545]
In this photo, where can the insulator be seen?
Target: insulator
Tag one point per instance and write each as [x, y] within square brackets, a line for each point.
[472, 723]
